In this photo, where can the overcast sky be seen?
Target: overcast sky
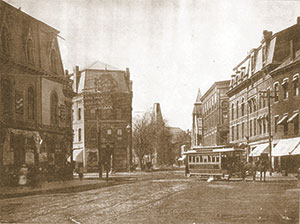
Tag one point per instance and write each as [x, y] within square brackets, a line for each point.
[172, 48]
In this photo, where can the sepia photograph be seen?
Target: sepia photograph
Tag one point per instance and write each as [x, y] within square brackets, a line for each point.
[149, 111]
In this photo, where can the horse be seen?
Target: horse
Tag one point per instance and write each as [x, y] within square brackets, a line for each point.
[262, 168]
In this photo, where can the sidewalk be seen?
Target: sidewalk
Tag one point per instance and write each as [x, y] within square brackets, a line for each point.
[75, 185]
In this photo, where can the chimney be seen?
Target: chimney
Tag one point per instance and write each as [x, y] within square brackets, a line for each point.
[298, 20]
[76, 77]
[267, 35]
[292, 50]
[66, 73]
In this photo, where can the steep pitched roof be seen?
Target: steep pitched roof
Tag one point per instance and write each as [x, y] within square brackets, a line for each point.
[98, 65]
[199, 95]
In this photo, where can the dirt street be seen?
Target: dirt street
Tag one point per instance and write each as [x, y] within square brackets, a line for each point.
[162, 198]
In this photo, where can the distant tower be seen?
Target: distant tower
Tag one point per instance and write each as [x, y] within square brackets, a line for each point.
[157, 112]
[197, 121]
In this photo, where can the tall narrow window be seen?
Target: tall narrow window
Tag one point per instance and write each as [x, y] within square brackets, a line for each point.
[296, 125]
[275, 123]
[250, 106]
[54, 109]
[276, 90]
[237, 132]
[243, 107]
[254, 105]
[79, 134]
[237, 109]
[31, 104]
[53, 60]
[79, 114]
[232, 111]
[29, 51]
[250, 128]
[254, 127]
[285, 89]
[295, 87]
[264, 125]
[243, 130]
[6, 98]
[4, 40]
[232, 133]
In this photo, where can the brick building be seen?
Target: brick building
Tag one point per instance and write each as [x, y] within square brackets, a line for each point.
[215, 114]
[35, 108]
[102, 116]
[252, 78]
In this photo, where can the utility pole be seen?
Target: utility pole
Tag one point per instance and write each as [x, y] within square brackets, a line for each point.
[99, 146]
[268, 96]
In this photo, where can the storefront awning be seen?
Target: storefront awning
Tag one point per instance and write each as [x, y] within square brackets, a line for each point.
[295, 115]
[285, 147]
[78, 155]
[182, 158]
[261, 148]
[282, 120]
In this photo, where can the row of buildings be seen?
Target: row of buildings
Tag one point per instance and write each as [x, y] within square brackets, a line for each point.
[44, 109]
[258, 106]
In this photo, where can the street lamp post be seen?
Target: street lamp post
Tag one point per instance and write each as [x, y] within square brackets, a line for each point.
[99, 147]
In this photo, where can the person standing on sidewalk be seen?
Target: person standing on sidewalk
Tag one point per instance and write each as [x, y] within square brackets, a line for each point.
[80, 171]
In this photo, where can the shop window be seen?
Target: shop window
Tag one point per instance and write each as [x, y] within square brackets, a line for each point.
[54, 109]
[276, 90]
[31, 104]
[285, 128]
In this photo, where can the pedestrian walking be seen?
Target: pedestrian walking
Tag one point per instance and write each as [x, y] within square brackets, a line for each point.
[23, 175]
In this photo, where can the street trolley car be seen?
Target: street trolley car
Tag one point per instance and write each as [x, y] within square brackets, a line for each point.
[216, 162]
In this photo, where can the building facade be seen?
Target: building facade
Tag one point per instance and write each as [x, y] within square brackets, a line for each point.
[102, 118]
[215, 114]
[36, 97]
[252, 111]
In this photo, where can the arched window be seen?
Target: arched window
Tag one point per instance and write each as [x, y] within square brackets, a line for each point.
[54, 109]
[4, 40]
[31, 104]
[29, 51]
[53, 60]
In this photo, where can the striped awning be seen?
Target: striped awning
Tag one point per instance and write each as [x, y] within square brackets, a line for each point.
[285, 146]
